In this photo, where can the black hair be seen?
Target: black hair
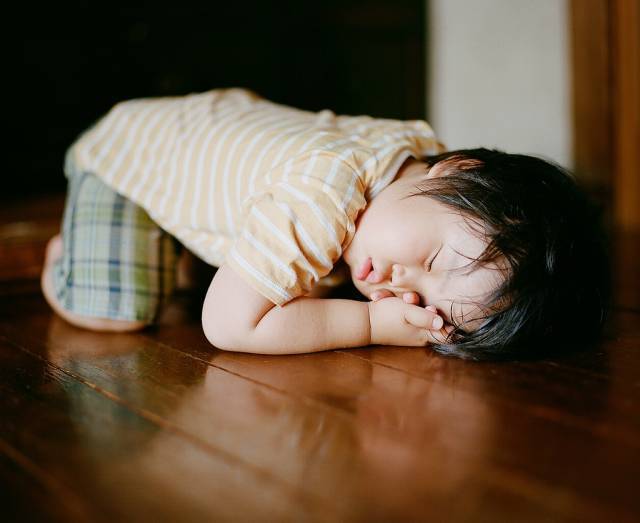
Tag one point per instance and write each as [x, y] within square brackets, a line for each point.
[551, 240]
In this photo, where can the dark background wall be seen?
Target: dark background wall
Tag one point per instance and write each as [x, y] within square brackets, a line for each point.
[79, 59]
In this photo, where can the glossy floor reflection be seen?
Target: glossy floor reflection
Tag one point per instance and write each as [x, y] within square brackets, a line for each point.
[160, 426]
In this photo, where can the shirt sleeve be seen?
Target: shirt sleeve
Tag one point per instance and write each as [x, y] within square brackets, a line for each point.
[295, 229]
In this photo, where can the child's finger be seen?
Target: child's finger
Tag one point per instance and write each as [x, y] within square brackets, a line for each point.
[381, 293]
[411, 298]
[419, 317]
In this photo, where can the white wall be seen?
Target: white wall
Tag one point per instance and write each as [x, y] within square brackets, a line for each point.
[499, 75]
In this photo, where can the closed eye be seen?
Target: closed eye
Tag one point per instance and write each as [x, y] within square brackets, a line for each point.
[430, 264]
[433, 258]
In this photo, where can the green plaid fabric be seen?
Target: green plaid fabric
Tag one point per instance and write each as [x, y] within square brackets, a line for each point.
[117, 262]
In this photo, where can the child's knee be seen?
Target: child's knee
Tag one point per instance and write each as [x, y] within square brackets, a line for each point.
[53, 253]
[85, 322]
[112, 268]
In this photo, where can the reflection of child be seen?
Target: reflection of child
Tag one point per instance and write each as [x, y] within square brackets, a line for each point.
[478, 252]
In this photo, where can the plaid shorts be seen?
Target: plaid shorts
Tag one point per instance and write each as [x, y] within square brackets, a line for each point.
[117, 263]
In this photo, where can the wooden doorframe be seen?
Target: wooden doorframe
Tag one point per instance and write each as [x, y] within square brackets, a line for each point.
[605, 48]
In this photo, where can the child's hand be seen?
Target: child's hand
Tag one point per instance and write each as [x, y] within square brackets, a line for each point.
[395, 322]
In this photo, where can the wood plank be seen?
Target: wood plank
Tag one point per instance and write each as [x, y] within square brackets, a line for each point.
[373, 434]
[285, 427]
[460, 426]
[605, 47]
[25, 228]
[22, 246]
[591, 95]
[44, 209]
[626, 270]
[625, 41]
[122, 464]
[28, 493]
[547, 414]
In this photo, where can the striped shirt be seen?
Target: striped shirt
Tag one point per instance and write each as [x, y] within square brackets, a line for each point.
[270, 190]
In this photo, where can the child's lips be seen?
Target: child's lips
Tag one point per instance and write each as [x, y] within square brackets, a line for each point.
[367, 273]
[364, 269]
[374, 277]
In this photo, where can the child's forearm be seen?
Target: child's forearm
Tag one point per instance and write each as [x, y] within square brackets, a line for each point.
[311, 325]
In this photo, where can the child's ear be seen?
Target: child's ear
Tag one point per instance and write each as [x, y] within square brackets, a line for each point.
[453, 164]
[437, 170]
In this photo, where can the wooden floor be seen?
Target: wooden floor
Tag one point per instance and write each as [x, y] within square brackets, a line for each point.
[160, 426]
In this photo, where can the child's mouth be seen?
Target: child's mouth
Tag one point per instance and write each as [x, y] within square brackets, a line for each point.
[365, 268]
[367, 273]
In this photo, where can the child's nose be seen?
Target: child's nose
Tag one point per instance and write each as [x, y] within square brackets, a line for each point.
[404, 277]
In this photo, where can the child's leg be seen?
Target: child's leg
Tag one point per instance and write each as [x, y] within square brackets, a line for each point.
[113, 267]
[54, 252]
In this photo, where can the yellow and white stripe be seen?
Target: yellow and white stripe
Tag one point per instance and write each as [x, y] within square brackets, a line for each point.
[272, 190]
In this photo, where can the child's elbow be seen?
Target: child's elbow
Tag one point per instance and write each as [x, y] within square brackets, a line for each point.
[231, 311]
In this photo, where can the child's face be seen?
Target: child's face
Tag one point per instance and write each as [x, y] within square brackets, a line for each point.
[396, 240]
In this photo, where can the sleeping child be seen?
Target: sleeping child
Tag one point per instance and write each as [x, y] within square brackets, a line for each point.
[477, 253]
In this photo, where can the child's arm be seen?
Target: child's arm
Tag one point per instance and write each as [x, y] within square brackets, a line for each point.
[236, 317]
